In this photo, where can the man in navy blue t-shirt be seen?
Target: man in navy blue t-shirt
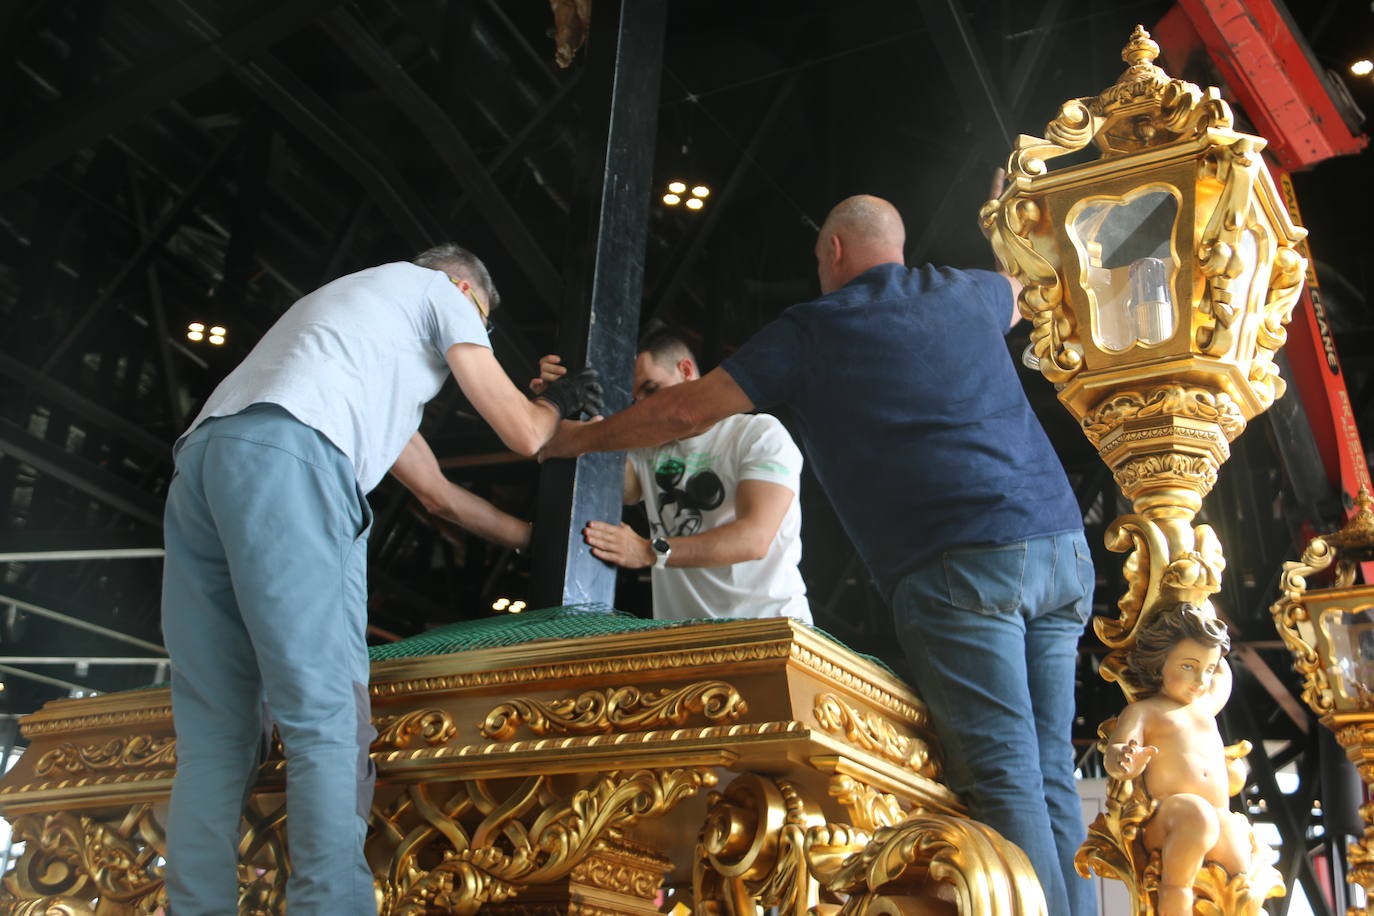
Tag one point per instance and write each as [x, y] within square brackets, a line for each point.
[911, 414]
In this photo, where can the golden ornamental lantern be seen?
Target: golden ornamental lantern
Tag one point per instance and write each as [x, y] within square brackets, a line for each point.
[1330, 632]
[1158, 278]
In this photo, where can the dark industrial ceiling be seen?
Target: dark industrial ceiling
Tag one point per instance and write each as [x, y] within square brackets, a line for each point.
[170, 161]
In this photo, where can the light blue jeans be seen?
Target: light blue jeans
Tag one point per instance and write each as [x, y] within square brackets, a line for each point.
[991, 633]
[265, 599]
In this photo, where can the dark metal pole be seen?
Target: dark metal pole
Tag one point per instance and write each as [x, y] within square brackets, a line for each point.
[603, 286]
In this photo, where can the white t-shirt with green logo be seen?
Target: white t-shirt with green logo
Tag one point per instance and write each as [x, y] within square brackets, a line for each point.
[689, 487]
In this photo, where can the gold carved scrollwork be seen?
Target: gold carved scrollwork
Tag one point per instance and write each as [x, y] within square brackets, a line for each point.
[926, 856]
[615, 707]
[1010, 228]
[118, 753]
[1295, 624]
[1285, 285]
[506, 850]
[868, 807]
[873, 733]
[434, 726]
[1169, 562]
[1219, 249]
[751, 850]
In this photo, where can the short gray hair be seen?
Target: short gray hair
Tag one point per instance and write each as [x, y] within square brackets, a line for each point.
[455, 259]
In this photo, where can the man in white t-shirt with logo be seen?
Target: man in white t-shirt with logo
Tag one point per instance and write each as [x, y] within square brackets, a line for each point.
[264, 598]
[725, 525]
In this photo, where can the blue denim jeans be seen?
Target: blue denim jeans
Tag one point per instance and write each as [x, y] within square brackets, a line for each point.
[265, 599]
[991, 633]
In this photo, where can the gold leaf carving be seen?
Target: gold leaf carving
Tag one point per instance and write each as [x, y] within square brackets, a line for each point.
[493, 862]
[615, 707]
[752, 847]
[873, 733]
[1197, 472]
[1164, 401]
[868, 808]
[123, 752]
[435, 726]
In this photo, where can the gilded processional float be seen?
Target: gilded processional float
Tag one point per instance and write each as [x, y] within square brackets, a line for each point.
[566, 762]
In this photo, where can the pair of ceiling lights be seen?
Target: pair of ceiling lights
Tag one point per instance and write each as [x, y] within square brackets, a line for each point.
[676, 191]
[196, 332]
[1362, 67]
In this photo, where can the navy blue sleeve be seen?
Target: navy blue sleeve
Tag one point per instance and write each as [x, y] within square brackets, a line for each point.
[768, 367]
[994, 297]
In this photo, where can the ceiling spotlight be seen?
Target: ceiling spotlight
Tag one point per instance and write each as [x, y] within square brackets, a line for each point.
[677, 187]
[217, 339]
[701, 191]
[195, 326]
[1362, 67]
[694, 203]
[516, 607]
[194, 335]
[500, 604]
[671, 199]
[217, 330]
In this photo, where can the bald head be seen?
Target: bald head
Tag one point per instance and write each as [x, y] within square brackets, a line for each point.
[860, 232]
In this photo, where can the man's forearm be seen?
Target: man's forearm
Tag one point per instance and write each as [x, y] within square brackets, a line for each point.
[672, 413]
[472, 513]
[723, 546]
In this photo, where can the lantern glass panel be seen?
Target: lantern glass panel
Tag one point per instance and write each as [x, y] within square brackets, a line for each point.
[1351, 637]
[1126, 249]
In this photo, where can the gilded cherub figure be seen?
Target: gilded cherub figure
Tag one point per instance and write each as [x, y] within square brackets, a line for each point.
[1169, 733]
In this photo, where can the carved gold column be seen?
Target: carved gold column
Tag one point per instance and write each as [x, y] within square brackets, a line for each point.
[1330, 632]
[1158, 279]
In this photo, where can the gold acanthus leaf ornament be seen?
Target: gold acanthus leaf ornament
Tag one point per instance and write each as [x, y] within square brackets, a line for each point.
[133, 752]
[1195, 472]
[72, 855]
[1162, 401]
[615, 708]
[873, 733]
[868, 808]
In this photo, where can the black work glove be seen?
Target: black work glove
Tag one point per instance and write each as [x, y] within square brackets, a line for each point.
[574, 393]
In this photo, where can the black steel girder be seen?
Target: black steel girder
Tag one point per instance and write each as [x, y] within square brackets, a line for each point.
[90, 479]
[450, 145]
[86, 120]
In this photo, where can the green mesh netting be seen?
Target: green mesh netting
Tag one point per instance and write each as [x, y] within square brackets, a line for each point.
[567, 622]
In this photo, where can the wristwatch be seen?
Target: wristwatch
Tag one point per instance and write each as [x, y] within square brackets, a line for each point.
[662, 550]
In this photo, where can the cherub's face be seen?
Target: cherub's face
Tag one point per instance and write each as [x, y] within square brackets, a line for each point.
[1188, 671]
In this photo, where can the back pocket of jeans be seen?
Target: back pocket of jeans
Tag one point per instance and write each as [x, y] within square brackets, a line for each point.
[987, 578]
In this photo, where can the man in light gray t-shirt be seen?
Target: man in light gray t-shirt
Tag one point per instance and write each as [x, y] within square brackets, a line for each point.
[265, 580]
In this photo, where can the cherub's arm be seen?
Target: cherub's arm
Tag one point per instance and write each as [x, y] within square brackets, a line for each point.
[1125, 757]
[1220, 690]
